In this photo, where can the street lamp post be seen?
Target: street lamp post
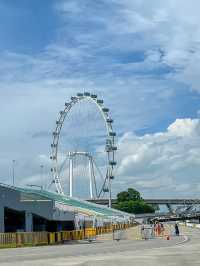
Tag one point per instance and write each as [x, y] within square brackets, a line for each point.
[42, 174]
[13, 172]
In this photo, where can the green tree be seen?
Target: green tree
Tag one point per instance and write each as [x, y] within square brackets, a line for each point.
[131, 201]
[130, 194]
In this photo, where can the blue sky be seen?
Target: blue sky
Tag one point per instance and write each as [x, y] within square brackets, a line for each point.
[142, 57]
[27, 27]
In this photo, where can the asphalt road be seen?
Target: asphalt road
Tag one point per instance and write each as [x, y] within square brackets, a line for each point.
[101, 253]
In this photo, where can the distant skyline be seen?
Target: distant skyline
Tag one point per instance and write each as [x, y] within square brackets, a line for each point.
[142, 57]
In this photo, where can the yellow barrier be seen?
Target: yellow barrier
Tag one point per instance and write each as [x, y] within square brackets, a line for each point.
[52, 238]
[22, 239]
[90, 234]
[58, 237]
[66, 235]
[7, 240]
[31, 239]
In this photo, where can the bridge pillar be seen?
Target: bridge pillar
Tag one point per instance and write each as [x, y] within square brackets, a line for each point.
[28, 222]
[2, 223]
[169, 207]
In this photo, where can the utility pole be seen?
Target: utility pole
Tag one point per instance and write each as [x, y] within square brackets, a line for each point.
[13, 172]
[42, 174]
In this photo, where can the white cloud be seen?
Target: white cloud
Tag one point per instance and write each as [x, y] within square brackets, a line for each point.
[162, 164]
[185, 127]
[157, 184]
[173, 38]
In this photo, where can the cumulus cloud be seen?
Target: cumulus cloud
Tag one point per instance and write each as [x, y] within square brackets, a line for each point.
[185, 127]
[164, 163]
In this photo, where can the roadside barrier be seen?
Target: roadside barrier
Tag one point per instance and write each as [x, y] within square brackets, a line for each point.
[186, 224]
[52, 238]
[8, 240]
[90, 234]
[23, 239]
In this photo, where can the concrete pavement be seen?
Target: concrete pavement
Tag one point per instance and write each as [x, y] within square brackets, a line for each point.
[126, 252]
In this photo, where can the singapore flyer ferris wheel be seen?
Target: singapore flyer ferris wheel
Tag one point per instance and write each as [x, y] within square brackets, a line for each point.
[83, 147]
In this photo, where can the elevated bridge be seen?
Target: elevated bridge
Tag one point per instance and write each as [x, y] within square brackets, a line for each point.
[155, 201]
[174, 206]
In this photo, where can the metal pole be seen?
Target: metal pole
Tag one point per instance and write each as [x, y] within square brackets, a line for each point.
[42, 176]
[70, 174]
[90, 176]
[13, 172]
[110, 192]
[94, 179]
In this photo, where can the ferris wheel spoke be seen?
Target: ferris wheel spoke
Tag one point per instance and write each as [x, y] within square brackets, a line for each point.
[62, 165]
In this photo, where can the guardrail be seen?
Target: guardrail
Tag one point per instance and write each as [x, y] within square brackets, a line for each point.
[23, 239]
[190, 225]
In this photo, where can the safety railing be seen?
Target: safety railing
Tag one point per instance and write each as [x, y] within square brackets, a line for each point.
[22, 239]
[8, 240]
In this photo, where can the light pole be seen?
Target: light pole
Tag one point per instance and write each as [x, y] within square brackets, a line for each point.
[42, 174]
[110, 193]
[13, 172]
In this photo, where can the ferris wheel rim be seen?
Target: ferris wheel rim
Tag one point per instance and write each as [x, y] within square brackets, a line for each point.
[110, 149]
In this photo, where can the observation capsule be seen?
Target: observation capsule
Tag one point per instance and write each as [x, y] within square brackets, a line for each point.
[109, 120]
[93, 96]
[53, 145]
[114, 148]
[105, 190]
[100, 101]
[105, 110]
[73, 98]
[112, 177]
[112, 134]
[112, 163]
[79, 94]
[110, 148]
[86, 93]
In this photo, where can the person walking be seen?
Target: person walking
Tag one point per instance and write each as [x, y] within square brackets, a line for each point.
[176, 229]
[158, 229]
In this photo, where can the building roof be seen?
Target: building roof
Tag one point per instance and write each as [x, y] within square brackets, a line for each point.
[75, 204]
